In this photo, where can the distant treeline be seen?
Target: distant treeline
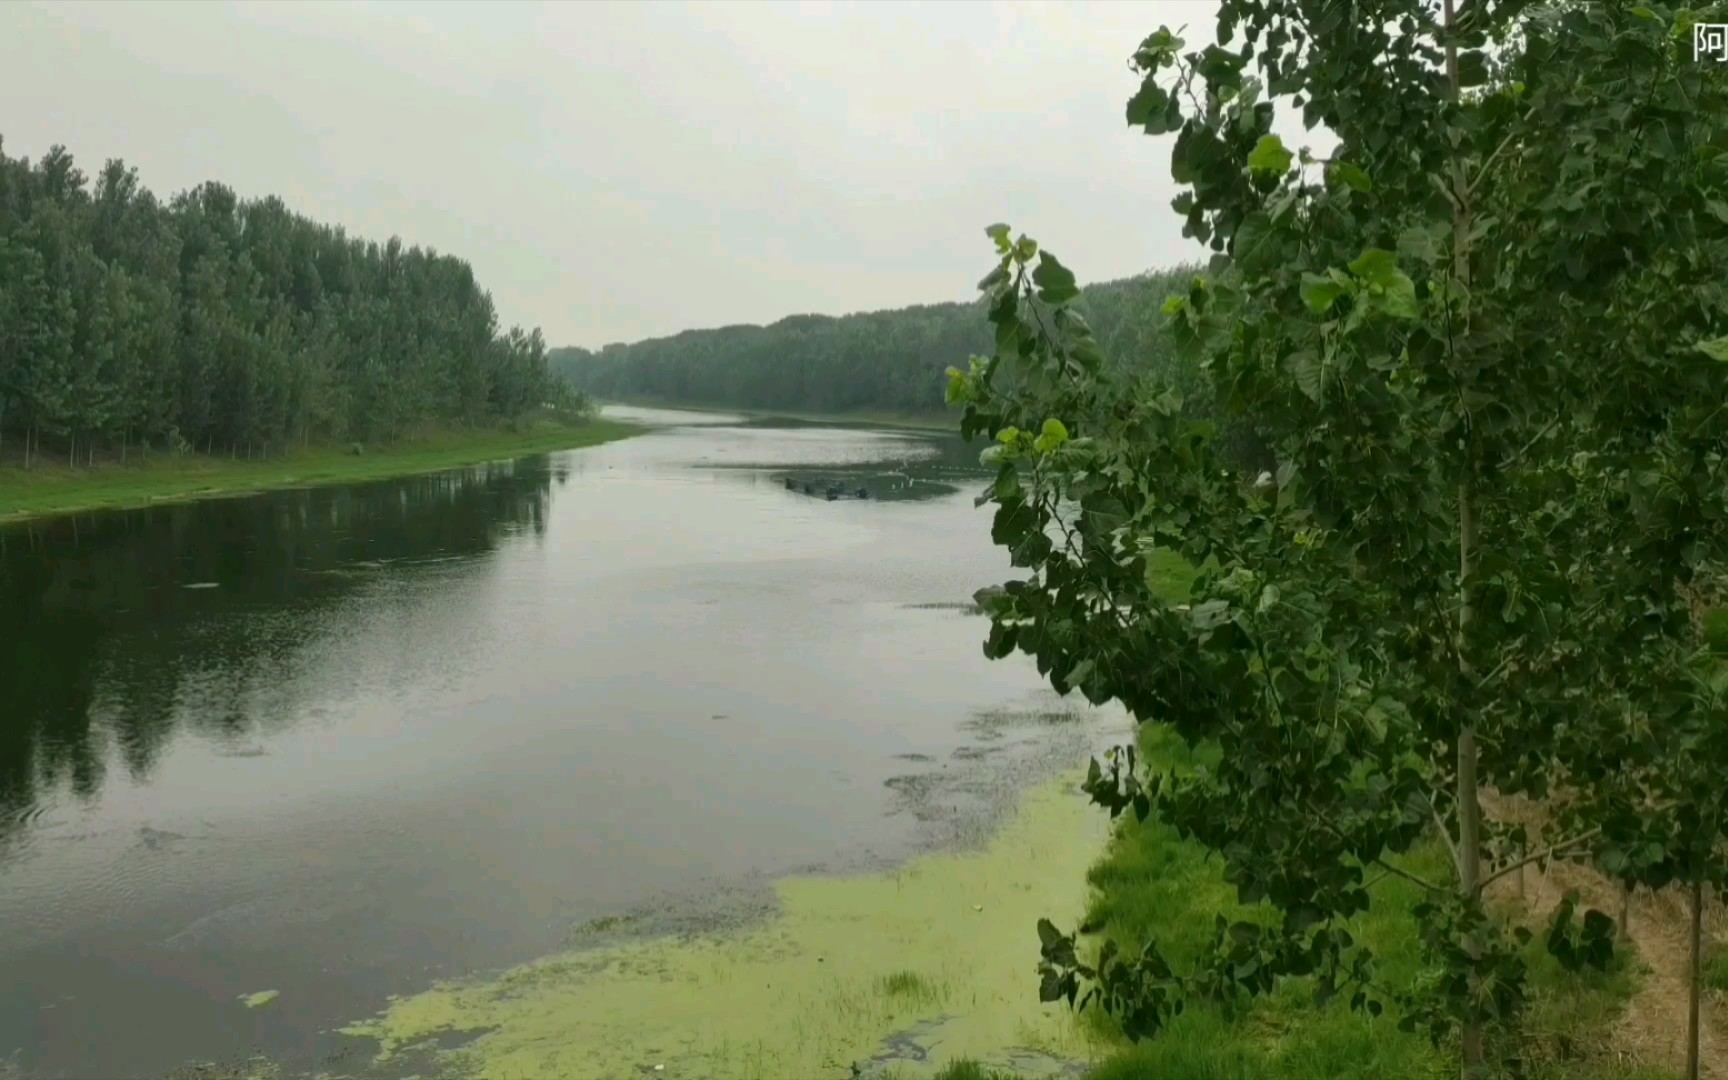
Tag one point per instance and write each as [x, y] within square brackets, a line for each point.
[213, 323]
[881, 361]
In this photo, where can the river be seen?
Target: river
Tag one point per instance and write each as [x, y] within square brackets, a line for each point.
[343, 743]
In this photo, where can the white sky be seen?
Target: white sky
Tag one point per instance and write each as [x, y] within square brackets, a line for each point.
[619, 171]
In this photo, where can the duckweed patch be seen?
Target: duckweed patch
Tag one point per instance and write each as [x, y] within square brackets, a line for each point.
[844, 967]
[606, 924]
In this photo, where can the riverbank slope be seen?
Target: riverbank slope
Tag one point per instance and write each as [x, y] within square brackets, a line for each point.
[50, 488]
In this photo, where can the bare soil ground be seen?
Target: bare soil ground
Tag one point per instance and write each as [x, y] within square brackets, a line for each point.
[1652, 1030]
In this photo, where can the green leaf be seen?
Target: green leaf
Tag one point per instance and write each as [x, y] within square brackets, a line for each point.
[1048, 935]
[1055, 282]
[1174, 304]
[1420, 243]
[1352, 175]
[1052, 436]
[1306, 367]
[1375, 266]
[1390, 290]
[1715, 349]
[1472, 68]
[999, 233]
[1210, 614]
[1399, 298]
[1254, 247]
[1270, 156]
[1080, 673]
[1146, 108]
[1319, 293]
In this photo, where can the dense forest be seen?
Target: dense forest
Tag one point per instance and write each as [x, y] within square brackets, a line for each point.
[883, 361]
[212, 323]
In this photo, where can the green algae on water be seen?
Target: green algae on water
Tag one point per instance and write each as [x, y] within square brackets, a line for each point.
[944, 945]
[261, 998]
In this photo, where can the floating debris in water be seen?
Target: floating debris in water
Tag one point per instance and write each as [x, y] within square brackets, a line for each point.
[261, 998]
[203, 585]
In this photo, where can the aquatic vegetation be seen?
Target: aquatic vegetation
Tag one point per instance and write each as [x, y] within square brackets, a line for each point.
[938, 947]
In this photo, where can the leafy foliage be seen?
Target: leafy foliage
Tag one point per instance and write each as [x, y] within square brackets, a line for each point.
[212, 322]
[1448, 338]
[885, 360]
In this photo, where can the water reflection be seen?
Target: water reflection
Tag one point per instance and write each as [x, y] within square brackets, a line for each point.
[97, 612]
[903, 467]
[341, 743]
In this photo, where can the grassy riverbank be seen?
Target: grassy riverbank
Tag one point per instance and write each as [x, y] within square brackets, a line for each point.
[1152, 884]
[52, 487]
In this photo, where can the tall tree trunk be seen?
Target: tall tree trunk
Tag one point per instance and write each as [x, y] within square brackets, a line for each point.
[1696, 979]
[1469, 808]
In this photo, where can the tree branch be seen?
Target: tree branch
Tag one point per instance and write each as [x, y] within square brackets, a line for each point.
[1503, 871]
[1483, 171]
[1445, 835]
[1519, 454]
[1420, 883]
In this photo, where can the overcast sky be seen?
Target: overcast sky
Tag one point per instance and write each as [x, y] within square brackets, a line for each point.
[619, 171]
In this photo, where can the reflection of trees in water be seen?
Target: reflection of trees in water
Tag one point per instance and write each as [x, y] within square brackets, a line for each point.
[101, 640]
[907, 467]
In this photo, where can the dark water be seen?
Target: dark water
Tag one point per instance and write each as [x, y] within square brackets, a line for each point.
[342, 742]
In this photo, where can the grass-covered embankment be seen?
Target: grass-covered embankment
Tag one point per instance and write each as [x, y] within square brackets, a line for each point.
[1153, 885]
[53, 487]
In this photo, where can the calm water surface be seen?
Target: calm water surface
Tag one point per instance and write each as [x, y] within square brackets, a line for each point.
[342, 742]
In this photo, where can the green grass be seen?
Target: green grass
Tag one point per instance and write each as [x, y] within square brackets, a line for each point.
[911, 987]
[54, 488]
[1151, 884]
[969, 1070]
[1715, 973]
